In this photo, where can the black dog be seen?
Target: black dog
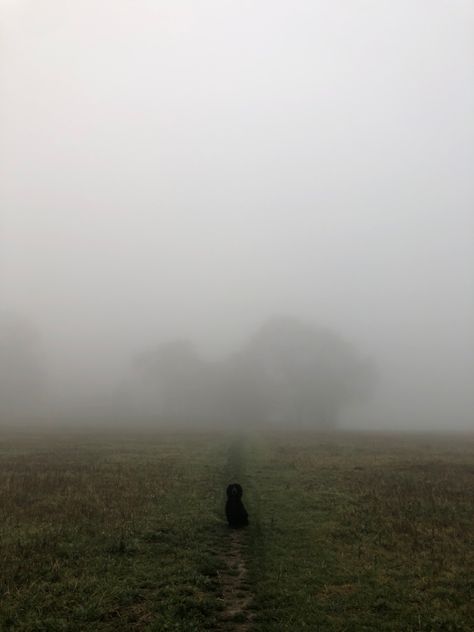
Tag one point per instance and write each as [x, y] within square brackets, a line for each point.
[235, 511]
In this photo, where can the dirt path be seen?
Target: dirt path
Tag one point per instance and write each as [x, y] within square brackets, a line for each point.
[237, 615]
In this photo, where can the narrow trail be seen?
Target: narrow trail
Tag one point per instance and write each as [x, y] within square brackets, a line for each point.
[237, 596]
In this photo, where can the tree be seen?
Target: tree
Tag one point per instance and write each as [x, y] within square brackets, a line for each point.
[21, 374]
[176, 380]
[294, 372]
[288, 372]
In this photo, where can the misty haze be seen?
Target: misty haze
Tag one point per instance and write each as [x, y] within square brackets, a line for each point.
[236, 248]
[174, 172]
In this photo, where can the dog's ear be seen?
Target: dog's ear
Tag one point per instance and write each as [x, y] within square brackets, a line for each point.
[229, 490]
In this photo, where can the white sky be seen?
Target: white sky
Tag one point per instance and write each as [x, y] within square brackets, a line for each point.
[175, 168]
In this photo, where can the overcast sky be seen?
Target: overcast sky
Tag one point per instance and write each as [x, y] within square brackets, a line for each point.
[190, 168]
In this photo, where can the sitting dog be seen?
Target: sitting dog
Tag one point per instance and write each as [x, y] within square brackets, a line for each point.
[235, 511]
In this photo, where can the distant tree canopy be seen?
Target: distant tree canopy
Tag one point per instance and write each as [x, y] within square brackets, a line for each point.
[178, 376]
[21, 374]
[288, 372]
[303, 374]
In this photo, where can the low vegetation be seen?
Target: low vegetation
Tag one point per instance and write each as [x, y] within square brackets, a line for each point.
[103, 533]
[363, 533]
[127, 532]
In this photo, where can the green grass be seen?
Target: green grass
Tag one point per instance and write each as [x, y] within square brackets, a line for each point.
[362, 533]
[110, 533]
[125, 531]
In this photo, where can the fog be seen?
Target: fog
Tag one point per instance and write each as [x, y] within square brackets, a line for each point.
[177, 170]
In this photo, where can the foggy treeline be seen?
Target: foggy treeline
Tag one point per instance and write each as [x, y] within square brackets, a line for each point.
[22, 378]
[288, 372]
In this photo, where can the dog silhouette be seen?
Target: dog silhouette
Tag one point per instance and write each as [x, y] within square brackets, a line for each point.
[235, 511]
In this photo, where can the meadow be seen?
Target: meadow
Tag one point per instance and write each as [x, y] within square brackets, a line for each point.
[125, 530]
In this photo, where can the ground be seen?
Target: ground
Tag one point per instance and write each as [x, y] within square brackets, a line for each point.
[118, 531]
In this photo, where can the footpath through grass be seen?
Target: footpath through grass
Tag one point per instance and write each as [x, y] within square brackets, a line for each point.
[121, 532]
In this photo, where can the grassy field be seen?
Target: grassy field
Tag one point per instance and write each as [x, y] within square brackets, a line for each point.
[126, 531]
[363, 533]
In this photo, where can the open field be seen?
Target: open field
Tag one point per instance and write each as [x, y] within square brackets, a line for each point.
[125, 531]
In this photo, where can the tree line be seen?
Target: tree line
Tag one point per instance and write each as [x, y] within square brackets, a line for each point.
[287, 372]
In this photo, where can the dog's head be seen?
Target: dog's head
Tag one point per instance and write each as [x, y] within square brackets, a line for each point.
[234, 490]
